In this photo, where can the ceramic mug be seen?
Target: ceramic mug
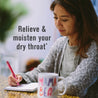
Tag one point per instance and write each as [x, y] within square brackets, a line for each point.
[47, 85]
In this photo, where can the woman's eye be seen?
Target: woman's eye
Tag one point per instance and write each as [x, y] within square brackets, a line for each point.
[64, 20]
[55, 17]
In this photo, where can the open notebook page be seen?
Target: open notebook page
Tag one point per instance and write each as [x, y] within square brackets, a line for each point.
[31, 87]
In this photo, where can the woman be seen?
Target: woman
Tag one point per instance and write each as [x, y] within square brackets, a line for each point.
[75, 56]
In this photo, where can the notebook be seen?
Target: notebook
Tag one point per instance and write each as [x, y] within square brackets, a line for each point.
[31, 87]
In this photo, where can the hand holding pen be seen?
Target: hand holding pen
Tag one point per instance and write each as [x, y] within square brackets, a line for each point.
[13, 79]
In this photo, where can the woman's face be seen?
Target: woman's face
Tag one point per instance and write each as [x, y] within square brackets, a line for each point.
[64, 21]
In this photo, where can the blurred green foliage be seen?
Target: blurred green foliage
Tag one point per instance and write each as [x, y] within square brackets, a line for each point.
[9, 14]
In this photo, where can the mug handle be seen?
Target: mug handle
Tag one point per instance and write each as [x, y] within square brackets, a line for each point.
[62, 82]
[59, 93]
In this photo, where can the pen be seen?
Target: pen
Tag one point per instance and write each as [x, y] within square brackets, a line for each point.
[11, 70]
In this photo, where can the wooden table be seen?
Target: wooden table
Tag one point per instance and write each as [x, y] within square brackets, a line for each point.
[15, 94]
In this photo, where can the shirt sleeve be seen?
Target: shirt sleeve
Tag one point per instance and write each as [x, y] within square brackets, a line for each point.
[46, 66]
[83, 77]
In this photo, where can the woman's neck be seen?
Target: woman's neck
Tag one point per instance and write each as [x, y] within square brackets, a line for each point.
[73, 41]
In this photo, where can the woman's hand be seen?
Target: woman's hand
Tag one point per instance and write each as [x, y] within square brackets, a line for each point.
[12, 81]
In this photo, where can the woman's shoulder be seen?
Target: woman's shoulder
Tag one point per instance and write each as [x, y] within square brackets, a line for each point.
[61, 40]
[59, 43]
[93, 48]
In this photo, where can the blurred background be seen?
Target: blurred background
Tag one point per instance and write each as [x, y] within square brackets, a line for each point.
[32, 13]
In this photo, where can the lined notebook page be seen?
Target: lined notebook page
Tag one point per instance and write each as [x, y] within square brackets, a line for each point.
[31, 87]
